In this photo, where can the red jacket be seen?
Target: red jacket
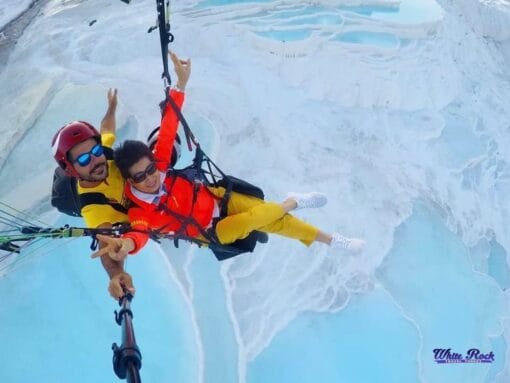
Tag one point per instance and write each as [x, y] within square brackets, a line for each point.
[178, 196]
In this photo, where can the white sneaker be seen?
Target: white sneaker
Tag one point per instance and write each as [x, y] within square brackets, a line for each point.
[354, 245]
[308, 200]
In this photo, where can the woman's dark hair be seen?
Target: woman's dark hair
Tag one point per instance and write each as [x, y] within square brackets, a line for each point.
[129, 153]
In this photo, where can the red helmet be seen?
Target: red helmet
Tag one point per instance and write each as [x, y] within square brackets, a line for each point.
[67, 137]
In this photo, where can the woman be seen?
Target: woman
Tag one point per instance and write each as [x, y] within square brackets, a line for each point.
[159, 197]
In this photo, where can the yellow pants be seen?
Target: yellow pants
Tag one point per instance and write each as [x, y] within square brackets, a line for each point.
[246, 214]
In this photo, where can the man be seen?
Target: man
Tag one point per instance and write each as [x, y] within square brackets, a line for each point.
[78, 149]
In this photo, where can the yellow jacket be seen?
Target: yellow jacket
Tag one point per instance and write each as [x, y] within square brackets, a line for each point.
[112, 188]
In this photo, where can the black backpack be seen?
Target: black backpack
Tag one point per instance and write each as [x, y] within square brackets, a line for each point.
[65, 197]
[244, 245]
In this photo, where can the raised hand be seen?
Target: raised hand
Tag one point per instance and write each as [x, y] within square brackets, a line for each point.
[116, 248]
[112, 98]
[182, 70]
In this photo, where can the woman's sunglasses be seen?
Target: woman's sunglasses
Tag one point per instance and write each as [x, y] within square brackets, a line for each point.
[85, 158]
[141, 176]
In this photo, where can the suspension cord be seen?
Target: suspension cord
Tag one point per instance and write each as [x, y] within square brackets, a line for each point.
[165, 37]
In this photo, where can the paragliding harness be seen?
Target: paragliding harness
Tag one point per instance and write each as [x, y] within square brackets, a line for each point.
[65, 196]
[204, 172]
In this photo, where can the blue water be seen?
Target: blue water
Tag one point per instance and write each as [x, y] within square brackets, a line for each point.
[412, 12]
[499, 348]
[313, 17]
[57, 322]
[408, 11]
[458, 142]
[429, 272]
[371, 10]
[498, 266]
[368, 342]
[217, 334]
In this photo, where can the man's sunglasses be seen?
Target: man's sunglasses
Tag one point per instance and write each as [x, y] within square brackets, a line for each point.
[141, 176]
[85, 158]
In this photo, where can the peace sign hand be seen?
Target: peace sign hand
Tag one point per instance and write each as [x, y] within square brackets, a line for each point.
[116, 248]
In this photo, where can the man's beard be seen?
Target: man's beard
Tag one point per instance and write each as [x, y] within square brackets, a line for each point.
[95, 176]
